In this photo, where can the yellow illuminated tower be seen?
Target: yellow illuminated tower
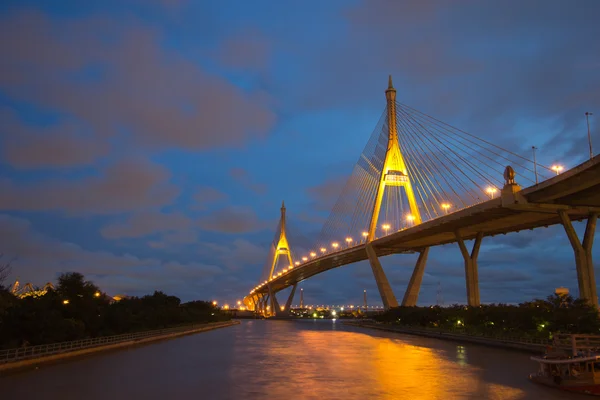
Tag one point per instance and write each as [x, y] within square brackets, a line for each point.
[283, 248]
[394, 172]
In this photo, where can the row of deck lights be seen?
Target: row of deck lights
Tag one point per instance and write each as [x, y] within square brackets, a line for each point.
[490, 190]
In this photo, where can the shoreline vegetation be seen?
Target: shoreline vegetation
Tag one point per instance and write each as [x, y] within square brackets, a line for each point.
[77, 309]
[534, 320]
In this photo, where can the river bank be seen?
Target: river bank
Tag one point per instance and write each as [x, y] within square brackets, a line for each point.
[30, 359]
[527, 345]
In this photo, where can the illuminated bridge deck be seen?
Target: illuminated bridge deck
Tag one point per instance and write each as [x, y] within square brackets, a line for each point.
[577, 191]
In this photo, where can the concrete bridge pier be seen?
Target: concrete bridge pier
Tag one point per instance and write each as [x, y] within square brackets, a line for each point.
[383, 285]
[288, 303]
[471, 270]
[583, 256]
[414, 285]
[275, 308]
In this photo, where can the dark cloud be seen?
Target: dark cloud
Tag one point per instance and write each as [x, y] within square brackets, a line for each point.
[243, 177]
[147, 223]
[127, 185]
[110, 76]
[61, 145]
[232, 220]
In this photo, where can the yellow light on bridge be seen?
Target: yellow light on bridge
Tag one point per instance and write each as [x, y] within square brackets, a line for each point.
[313, 254]
[491, 190]
[239, 303]
[284, 270]
[365, 234]
[323, 249]
[297, 263]
[348, 240]
[305, 259]
[386, 228]
[282, 308]
[410, 218]
[335, 245]
[557, 168]
[290, 267]
[226, 307]
[214, 302]
[279, 274]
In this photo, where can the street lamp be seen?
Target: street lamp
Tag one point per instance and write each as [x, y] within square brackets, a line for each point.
[313, 254]
[386, 228]
[305, 259]
[557, 168]
[239, 303]
[491, 190]
[587, 118]
[214, 302]
[348, 240]
[297, 263]
[323, 250]
[335, 245]
[410, 218]
[445, 207]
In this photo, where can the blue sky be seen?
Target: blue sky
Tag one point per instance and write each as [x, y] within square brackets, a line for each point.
[148, 144]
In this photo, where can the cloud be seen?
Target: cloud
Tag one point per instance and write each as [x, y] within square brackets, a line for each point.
[247, 49]
[326, 193]
[127, 185]
[41, 259]
[146, 223]
[207, 195]
[243, 177]
[59, 145]
[113, 77]
[232, 220]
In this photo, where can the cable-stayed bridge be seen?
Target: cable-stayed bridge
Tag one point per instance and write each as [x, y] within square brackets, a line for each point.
[421, 183]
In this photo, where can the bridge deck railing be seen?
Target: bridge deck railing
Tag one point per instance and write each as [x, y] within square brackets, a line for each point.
[28, 352]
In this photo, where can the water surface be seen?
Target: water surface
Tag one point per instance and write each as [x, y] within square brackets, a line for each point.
[311, 359]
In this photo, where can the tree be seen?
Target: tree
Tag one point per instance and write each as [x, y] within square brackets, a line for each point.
[5, 270]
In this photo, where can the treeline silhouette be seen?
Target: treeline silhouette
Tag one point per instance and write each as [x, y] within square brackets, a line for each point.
[76, 309]
[535, 319]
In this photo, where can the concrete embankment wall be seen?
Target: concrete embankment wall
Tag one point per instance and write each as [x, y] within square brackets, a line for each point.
[27, 363]
[508, 344]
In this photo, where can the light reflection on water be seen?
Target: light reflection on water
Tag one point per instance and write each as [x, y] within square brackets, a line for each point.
[289, 360]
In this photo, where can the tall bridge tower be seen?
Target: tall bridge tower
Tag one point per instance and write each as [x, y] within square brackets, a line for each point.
[394, 172]
[283, 247]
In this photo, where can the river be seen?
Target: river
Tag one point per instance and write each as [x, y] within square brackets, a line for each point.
[312, 359]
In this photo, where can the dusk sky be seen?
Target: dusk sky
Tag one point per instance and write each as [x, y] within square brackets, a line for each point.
[148, 144]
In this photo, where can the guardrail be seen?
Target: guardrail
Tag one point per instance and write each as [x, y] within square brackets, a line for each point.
[23, 353]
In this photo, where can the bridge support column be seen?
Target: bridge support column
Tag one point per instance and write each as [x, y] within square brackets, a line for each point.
[383, 285]
[414, 285]
[471, 270]
[274, 303]
[583, 256]
[288, 303]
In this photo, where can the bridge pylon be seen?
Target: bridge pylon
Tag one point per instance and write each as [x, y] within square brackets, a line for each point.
[393, 173]
[268, 305]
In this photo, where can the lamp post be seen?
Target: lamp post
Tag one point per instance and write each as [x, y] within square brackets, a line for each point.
[386, 228]
[445, 207]
[533, 148]
[587, 118]
[557, 168]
